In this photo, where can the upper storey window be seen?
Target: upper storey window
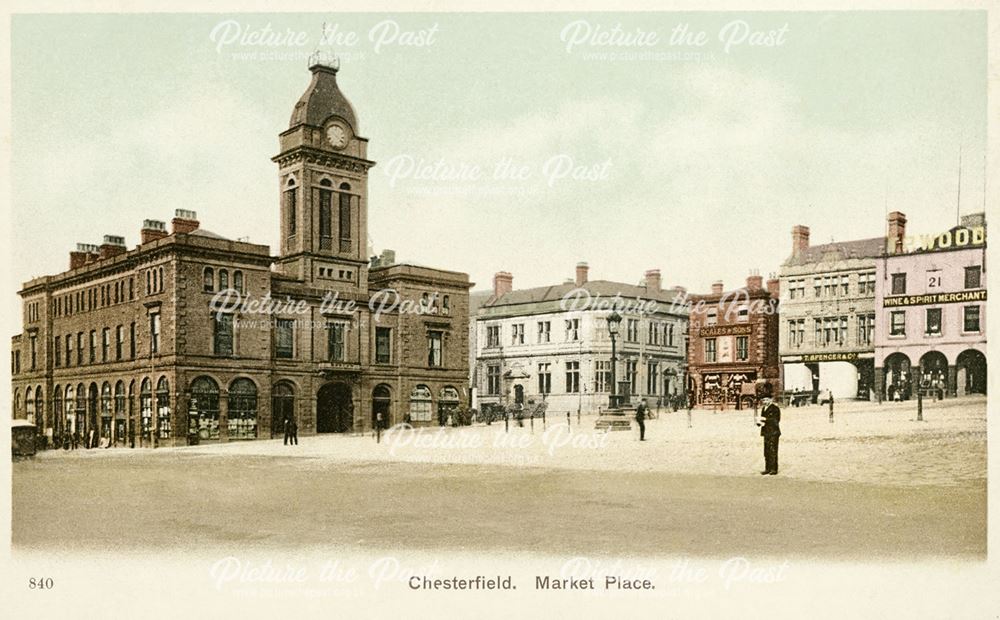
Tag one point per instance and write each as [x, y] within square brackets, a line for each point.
[345, 217]
[291, 207]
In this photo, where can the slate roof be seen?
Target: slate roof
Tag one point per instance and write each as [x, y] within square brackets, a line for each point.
[322, 100]
[599, 290]
[840, 250]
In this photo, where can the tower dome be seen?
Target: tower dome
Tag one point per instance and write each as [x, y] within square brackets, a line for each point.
[323, 99]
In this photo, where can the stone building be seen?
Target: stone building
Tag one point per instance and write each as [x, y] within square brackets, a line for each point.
[551, 343]
[828, 313]
[930, 296]
[192, 334]
[733, 341]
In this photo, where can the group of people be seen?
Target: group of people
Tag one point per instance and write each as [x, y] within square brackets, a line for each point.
[769, 422]
[291, 431]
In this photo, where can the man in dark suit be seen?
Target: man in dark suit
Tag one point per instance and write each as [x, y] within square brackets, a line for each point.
[770, 430]
[640, 418]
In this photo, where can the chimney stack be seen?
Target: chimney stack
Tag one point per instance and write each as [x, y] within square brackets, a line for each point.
[82, 255]
[680, 290]
[897, 230]
[113, 246]
[717, 287]
[581, 273]
[503, 283]
[800, 239]
[388, 258]
[152, 230]
[653, 280]
[774, 287]
[185, 221]
[755, 282]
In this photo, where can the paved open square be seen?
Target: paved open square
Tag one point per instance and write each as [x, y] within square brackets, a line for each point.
[874, 483]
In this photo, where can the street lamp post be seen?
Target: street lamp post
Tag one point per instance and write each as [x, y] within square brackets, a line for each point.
[614, 322]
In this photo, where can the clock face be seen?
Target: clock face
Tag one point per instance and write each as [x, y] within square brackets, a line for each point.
[337, 136]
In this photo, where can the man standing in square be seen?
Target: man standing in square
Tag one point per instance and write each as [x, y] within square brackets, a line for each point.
[640, 418]
[770, 430]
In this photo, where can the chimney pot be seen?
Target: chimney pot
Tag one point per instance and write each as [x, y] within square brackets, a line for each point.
[774, 287]
[152, 230]
[653, 279]
[185, 221]
[800, 239]
[755, 282]
[717, 287]
[581, 273]
[897, 231]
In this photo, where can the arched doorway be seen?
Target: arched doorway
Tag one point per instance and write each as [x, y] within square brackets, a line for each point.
[518, 394]
[242, 409]
[334, 409]
[282, 407]
[933, 373]
[382, 405]
[92, 415]
[971, 372]
[448, 403]
[897, 377]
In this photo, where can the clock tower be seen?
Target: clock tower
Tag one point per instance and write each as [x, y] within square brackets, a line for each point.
[323, 179]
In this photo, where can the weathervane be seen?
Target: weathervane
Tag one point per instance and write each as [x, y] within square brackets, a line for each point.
[321, 57]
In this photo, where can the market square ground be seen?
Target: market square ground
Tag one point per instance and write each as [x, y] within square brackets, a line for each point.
[873, 484]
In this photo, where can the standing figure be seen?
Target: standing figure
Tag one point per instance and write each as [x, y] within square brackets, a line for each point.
[288, 429]
[294, 431]
[770, 430]
[640, 418]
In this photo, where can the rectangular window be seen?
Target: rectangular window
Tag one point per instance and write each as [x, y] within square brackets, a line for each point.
[57, 353]
[845, 282]
[572, 377]
[818, 332]
[711, 318]
[631, 373]
[652, 377]
[79, 348]
[383, 345]
[710, 350]
[970, 319]
[842, 336]
[284, 338]
[743, 314]
[899, 284]
[742, 348]
[93, 346]
[335, 342]
[572, 330]
[119, 342]
[517, 334]
[544, 331]
[817, 287]
[493, 380]
[435, 357]
[792, 333]
[897, 323]
[131, 340]
[670, 334]
[973, 277]
[866, 325]
[602, 376]
[291, 207]
[105, 343]
[933, 322]
[223, 338]
[34, 352]
[492, 336]
[69, 349]
[545, 378]
[154, 332]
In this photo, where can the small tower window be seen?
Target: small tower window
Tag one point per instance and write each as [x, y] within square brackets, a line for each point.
[345, 218]
[291, 207]
[223, 279]
[209, 280]
[238, 280]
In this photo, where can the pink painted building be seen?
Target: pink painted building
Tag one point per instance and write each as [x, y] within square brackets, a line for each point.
[930, 302]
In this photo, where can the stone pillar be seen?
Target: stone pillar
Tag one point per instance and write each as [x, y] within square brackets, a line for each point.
[179, 416]
[952, 381]
[223, 415]
[879, 383]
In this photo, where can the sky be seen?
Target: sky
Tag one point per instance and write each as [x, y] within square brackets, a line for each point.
[523, 143]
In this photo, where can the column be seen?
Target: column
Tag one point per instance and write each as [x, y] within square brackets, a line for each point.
[223, 415]
[952, 381]
[879, 383]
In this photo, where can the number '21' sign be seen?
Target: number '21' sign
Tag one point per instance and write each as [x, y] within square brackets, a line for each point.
[934, 279]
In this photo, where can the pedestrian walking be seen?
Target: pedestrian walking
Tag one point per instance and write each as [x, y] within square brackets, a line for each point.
[288, 429]
[770, 430]
[640, 418]
[294, 432]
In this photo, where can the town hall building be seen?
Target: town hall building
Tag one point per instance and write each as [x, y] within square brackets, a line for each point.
[159, 345]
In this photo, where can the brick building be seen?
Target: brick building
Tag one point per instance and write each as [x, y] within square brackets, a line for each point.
[733, 340]
[193, 333]
[930, 296]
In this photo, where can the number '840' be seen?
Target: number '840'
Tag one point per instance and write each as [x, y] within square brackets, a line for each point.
[41, 583]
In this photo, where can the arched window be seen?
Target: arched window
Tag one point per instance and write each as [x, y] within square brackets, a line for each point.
[381, 406]
[69, 414]
[17, 402]
[326, 183]
[445, 305]
[156, 287]
[203, 413]
[57, 411]
[223, 279]
[106, 409]
[291, 207]
[29, 406]
[420, 404]
[345, 218]
[161, 279]
[81, 409]
[326, 215]
[163, 408]
[238, 280]
[209, 279]
[146, 407]
[242, 409]
[120, 399]
[40, 406]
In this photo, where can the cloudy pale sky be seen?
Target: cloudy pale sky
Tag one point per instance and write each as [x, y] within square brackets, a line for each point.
[696, 159]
